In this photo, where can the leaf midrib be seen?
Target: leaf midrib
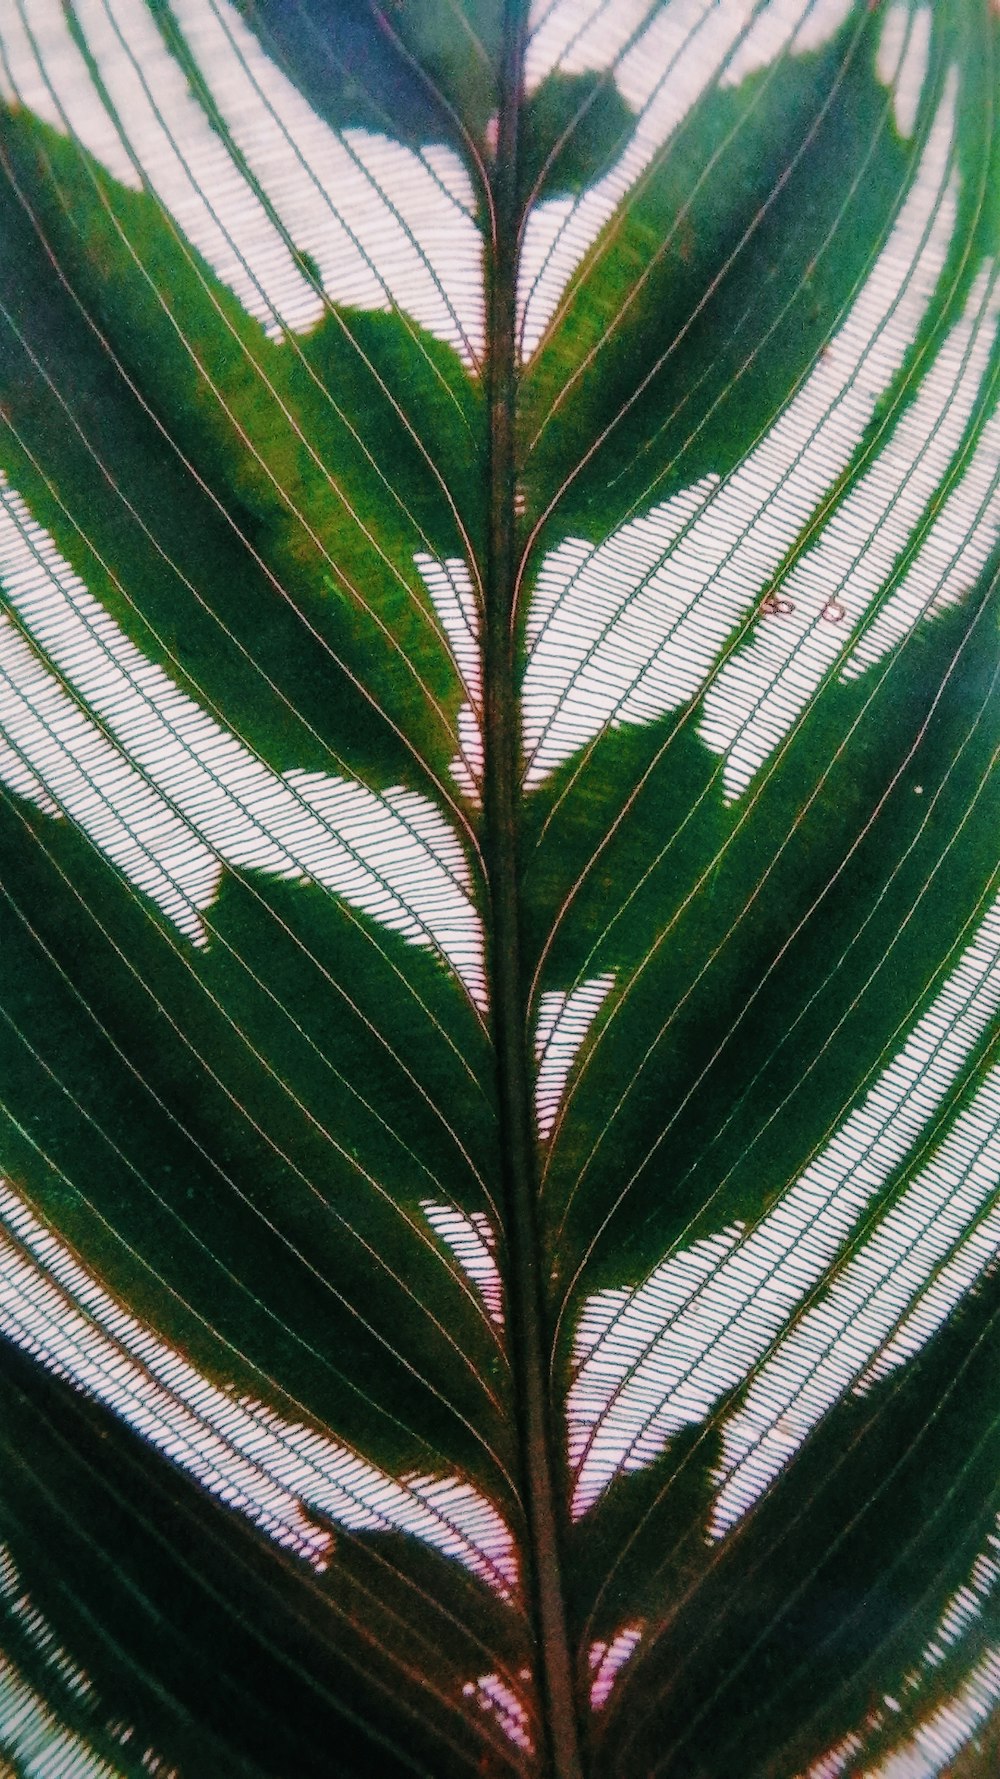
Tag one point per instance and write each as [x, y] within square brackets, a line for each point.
[559, 1754]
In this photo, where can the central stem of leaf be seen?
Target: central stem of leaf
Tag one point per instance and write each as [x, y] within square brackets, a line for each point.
[525, 1286]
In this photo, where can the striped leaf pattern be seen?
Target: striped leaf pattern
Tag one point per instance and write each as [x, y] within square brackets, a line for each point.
[500, 1139]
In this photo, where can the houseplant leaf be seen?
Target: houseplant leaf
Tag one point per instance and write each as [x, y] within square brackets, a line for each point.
[498, 534]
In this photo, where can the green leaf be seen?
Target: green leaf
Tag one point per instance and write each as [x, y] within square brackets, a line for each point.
[500, 1148]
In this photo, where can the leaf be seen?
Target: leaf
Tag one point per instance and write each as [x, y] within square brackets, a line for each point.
[499, 1164]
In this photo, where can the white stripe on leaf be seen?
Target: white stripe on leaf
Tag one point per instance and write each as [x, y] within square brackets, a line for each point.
[782, 25]
[30, 1731]
[836, 1760]
[627, 630]
[13, 772]
[170, 796]
[578, 36]
[450, 587]
[656, 1358]
[962, 1614]
[965, 1606]
[472, 1239]
[606, 1660]
[950, 558]
[31, 1735]
[387, 226]
[687, 46]
[616, 1394]
[595, 622]
[275, 1471]
[972, 1260]
[86, 776]
[43, 68]
[157, 125]
[33, 1625]
[563, 1023]
[901, 63]
[829, 1349]
[935, 1742]
[499, 1700]
[818, 604]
